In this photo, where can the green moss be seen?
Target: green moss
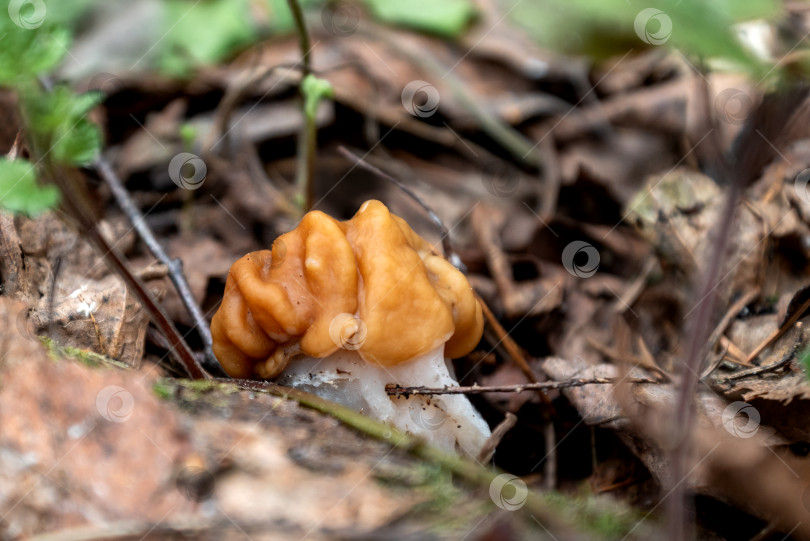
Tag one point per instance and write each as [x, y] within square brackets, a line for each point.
[202, 386]
[211, 392]
[163, 389]
[437, 484]
[443, 506]
[598, 515]
[86, 357]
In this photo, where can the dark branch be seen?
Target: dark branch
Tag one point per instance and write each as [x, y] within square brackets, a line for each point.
[396, 390]
[175, 266]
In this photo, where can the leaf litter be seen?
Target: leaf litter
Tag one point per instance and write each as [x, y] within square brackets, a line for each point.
[627, 184]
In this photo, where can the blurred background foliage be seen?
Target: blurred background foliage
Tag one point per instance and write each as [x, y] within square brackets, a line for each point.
[180, 38]
[85, 37]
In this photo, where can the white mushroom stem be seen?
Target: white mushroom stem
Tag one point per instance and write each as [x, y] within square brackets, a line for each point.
[449, 422]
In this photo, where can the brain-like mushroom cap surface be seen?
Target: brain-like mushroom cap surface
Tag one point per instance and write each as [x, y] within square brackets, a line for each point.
[370, 284]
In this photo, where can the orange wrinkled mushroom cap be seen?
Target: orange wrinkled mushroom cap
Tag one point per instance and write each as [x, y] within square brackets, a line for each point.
[369, 284]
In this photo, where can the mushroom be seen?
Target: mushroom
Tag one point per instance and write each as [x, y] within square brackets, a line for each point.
[343, 308]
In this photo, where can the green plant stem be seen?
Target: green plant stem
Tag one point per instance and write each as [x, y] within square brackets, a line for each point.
[307, 147]
[303, 35]
[308, 138]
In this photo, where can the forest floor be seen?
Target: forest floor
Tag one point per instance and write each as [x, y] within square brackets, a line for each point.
[584, 199]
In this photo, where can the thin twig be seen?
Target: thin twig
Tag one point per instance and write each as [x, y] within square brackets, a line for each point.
[510, 139]
[626, 299]
[396, 390]
[14, 151]
[443, 231]
[218, 138]
[779, 332]
[550, 460]
[174, 266]
[179, 348]
[485, 455]
[508, 342]
[552, 178]
[759, 370]
[731, 313]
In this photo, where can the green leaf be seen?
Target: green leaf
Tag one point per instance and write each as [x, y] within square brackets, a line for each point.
[204, 32]
[46, 112]
[70, 14]
[84, 103]
[19, 191]
[444, 17]
[602, 28]
[79, 144]
[279, 17]
[188, 134]
[26, 53]
[314, 90]
[59, 117]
